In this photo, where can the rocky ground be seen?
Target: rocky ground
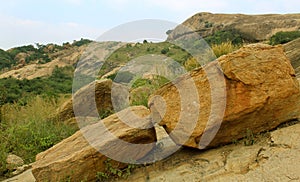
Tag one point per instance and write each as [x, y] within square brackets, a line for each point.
[273, 157]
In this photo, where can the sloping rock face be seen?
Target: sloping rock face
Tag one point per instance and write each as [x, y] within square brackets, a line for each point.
[77, 159]
[261, 93]
[251, 27]
[101, 90]
[274, 157]
[292, 50]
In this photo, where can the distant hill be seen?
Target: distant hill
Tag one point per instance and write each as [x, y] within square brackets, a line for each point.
[239, 27]
[31, 62]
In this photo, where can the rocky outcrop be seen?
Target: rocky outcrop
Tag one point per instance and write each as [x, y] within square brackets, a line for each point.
[261, 92]
[273, 157]
[251, 27]
[292, 50]
[76, 158]
[84, 104]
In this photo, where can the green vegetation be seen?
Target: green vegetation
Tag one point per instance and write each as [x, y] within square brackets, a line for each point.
[132, 51]
[38, 53]
[26, 131]
[220, 37]
[20, 91]
[224, 48]
[81, 42]
[284, 37]
[113, 171]
[30, 53]
[208, 24]
[5, 59]
[142, 88]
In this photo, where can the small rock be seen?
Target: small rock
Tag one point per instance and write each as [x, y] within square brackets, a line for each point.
[21, 169]
[13, 162]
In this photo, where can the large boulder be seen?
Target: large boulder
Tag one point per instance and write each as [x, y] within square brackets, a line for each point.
[292, 50]
[99, 89]
[81, 156]
[261, 93]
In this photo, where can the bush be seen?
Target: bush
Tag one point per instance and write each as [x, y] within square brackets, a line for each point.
[5, 59]
[81, 42]
[284, 37]
[220, 37]
[165, 50]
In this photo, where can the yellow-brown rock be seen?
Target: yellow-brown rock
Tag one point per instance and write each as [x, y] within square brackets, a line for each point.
[102, 94]
[77, 159]
[261, 93]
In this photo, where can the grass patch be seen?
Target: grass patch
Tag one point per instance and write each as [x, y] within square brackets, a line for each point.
[26, 131]
[142, 88]
[224, 48]
[131, 51]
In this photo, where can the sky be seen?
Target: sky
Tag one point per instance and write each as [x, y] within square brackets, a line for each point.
[25, 22]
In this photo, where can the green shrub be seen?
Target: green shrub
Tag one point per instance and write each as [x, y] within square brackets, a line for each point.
[284, 37]
[220, 37]
[81, 42]
[208, 24]
[165, 50]
[5, 59]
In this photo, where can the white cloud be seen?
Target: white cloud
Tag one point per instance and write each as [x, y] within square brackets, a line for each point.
[16, 32]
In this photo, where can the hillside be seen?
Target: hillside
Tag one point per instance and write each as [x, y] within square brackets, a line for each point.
[28, 62]
[249, 28]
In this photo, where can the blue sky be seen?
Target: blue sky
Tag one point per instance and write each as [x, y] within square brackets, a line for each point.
[56, 21]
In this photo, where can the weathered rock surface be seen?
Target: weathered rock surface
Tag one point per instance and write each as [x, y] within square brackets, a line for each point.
[13, 162]
[292, 50]
[84, 103]
[273, 158]
[24, 177]
[251, 27]
[78, 159]
[261, 93]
